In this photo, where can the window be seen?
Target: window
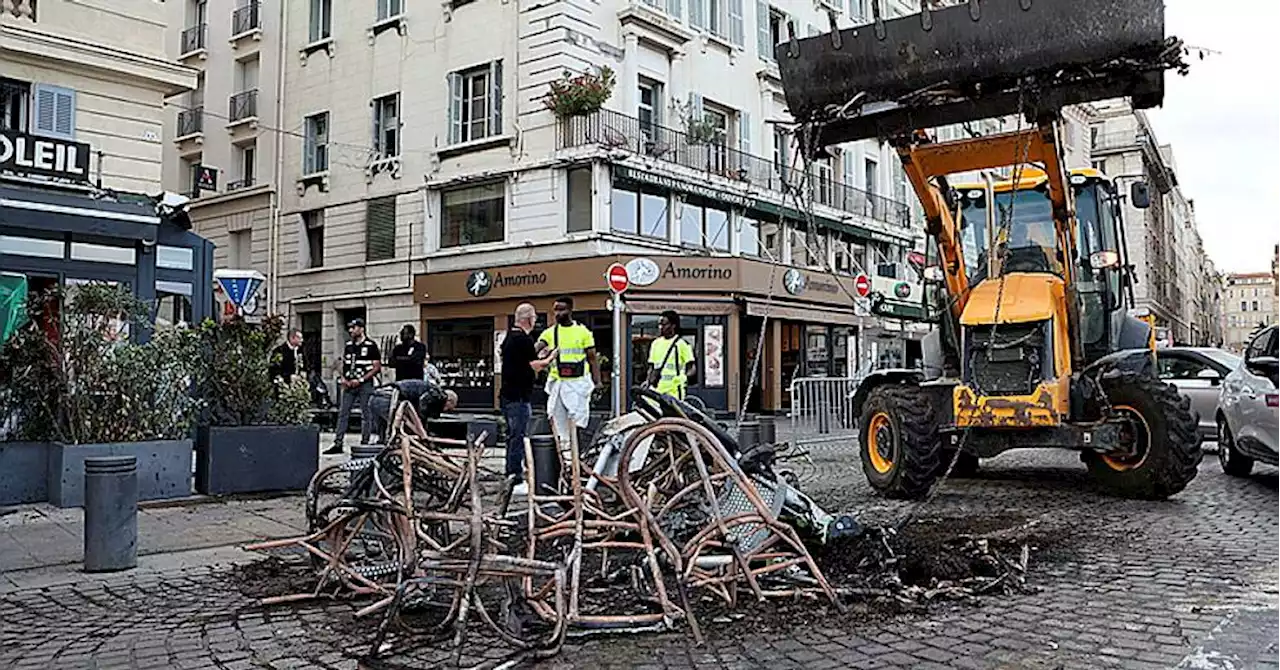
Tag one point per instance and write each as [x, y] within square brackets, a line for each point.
[55, 112]
[1244, 305]
[723, 18]
[173, 303]
[1177, 367]
[15, 99]
[32, 246]
[174, 258]
[770, 30]
[380, 229]
[386, 126]
[871, 178]
[321, 20]
[248, 159]
[389, 9]
[781, 150]
[240, 249]
[475, 109]
[748, 235]
[639, 213]
[1255, 305]
[649, 111]
[704, 226]
[579, 185]
[473, 215]
[313, 231]
[315, 153]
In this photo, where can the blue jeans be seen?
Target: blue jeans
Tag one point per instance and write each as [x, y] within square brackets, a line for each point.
[518, 415]
[358, 396]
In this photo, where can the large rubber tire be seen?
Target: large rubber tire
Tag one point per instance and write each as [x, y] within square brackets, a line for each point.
[1170, 458]
[1232, 461]
[898, 441]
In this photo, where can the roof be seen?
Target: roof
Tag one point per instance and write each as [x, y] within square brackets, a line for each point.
[1028, 178]
[93, 213]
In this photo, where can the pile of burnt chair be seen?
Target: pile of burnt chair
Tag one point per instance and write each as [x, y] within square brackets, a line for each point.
[426, 535]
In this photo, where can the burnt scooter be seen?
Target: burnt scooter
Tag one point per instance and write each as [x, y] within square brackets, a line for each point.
[788, 504]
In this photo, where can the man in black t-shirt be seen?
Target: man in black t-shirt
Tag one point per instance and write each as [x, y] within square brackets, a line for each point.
[408, 357]
[520, 363]
[361, 362]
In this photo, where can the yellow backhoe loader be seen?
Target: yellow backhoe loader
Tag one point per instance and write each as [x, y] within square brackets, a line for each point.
[1034, 345]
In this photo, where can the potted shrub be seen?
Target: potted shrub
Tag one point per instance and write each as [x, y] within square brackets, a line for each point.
[79, 384]
[255, 435]
[580, 94]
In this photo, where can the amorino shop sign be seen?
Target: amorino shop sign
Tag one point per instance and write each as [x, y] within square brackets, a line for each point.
[21, 153]
[680, 185]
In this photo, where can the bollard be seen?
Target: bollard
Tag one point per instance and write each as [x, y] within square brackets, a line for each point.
[110, 513]
[546, 464]
[365, 451]
[748, 435]
[768, 430]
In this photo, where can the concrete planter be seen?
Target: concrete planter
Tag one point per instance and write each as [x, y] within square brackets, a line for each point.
[256, 459]
[164, 469]
[24, 472]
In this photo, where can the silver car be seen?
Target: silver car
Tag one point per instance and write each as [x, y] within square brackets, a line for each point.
[1198, 373]
[1249, 408]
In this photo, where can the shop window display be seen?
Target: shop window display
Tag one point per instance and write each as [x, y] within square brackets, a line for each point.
[462, 350]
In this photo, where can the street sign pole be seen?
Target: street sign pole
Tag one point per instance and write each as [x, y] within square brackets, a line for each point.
[618, 281]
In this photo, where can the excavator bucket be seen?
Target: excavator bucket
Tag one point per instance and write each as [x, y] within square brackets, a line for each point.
[973, 60]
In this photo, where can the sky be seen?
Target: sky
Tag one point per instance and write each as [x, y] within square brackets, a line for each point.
[1223, 122]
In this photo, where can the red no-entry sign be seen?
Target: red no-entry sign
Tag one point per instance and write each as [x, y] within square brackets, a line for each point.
[617, 278]
[862, 286]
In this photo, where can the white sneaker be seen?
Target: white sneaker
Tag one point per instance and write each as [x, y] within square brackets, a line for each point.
[521, 489]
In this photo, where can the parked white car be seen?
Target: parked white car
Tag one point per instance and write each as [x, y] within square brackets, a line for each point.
[1198, 373]
[1249, 408]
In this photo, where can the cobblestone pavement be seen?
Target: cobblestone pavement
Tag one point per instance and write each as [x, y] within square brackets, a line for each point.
[1189, 583]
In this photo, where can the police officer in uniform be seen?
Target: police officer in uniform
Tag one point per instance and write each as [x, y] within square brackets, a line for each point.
[574, 373]
[361, 363]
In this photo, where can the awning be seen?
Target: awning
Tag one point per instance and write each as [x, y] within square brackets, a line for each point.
[656, 304]
[69, 212]
[808, 313]
[827, 222]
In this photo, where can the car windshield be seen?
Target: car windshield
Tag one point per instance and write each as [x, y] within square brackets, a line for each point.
[1023, 221]
[1226, 358]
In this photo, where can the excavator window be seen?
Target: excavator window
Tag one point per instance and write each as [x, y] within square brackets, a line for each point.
[1023, 223]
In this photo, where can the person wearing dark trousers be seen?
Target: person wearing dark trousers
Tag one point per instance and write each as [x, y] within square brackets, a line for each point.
[427, 398]
[361, 362]
[409, 356]
[520, 364]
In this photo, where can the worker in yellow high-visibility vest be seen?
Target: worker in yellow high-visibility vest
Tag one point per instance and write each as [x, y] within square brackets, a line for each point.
[671, 361]
[573, 375]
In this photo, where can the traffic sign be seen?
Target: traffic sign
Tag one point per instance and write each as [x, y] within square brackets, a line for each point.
[862, 285]
[617, 277]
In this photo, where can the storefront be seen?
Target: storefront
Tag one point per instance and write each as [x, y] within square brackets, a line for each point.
[812, 328]
[68, 233]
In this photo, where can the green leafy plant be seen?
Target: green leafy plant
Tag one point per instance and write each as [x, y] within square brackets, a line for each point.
[234, 381]
[73, 374]
[697, 128]
[291, 405]
[580, 94]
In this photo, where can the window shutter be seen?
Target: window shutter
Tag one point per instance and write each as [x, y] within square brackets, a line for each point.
[55, 112]
[455, 108]
[848, 166]
[380, 229]
[495, 98]
[697, 15]
[744, 132]
[695, 105]
[763, 37]
[737, 31]
[675, 9]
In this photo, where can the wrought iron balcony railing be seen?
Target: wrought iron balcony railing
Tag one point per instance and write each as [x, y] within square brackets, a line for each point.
[240, 183]
[193, 38]
[190, 121]
[611, 129]
[245, 18]
[244, 105]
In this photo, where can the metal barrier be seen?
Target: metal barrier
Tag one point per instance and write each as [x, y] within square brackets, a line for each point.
[822, 411]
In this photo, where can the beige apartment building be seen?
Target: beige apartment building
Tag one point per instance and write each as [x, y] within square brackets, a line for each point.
[1249, 304]
[82, 91]
[227, 128]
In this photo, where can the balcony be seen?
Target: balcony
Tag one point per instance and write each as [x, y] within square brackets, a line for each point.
[194, 41]
[19, 9]
[240, 184]
[612, 130]
[245, 23]
[242, 115]
[191, 125]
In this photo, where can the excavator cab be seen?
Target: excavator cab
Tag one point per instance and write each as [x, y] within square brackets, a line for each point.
[1034, 345]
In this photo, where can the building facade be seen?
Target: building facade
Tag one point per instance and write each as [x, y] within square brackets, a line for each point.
[425, 152]
[82, 90]
[1249, 304]
[1174, 278]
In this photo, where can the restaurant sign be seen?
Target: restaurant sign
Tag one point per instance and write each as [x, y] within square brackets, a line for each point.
[33, 155]
[691, 188]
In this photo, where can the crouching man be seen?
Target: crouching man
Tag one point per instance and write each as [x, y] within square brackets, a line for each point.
[429, 399]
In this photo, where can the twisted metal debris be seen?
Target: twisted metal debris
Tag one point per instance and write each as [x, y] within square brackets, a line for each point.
[611, 548]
